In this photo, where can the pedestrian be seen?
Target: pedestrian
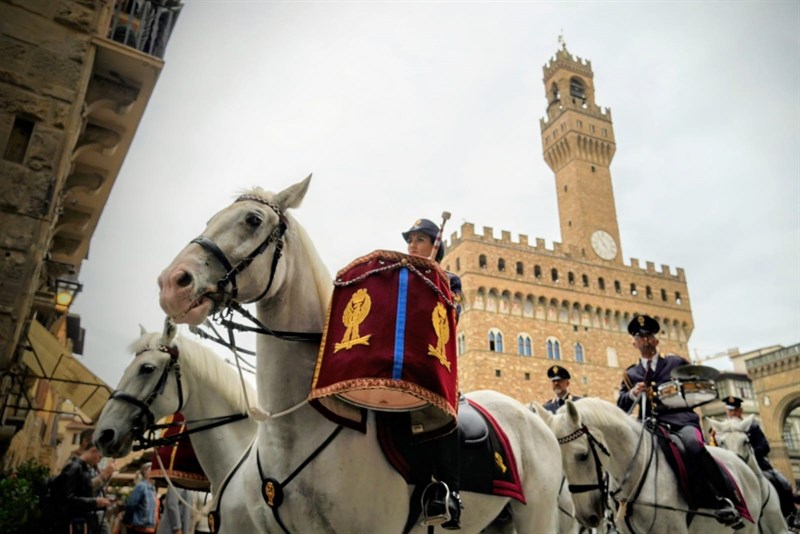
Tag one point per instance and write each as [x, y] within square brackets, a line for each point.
[141, 508]
[74, 498]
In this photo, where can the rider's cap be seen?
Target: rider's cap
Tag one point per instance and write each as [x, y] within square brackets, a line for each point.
[643, 325]
[733, 403]
[558, 373]
[429, 228]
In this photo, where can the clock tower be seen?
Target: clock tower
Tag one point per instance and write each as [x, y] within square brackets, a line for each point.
[578, 144]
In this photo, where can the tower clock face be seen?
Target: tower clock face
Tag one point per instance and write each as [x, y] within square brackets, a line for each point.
[604, 245]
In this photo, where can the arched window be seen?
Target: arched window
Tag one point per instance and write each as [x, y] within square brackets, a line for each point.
[537, 271]
[577, 88]
[553, 349]
[664, 295]
[555, 95]
[482, 261]
[617, 286]
[501, 265]
[524, 345]
[495, 340]
[554, 274]
[520, 268]
[601, 283]
[571, 278]
[458, 264]
[578, 353]
[648, 292]
[634, 291]
[678, 299]
[462, 344]
[585, 280]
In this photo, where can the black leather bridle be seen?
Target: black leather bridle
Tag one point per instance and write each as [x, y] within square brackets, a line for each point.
[145, 418]
[275, 236]
[594, 445]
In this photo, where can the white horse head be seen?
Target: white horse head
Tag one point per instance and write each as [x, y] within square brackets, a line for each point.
[634, 460]
[170, 374]
[254, 251]
[732, 435]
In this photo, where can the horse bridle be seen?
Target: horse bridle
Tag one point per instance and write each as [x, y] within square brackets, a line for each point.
[145, 417]
[275, 236]
[594, 445]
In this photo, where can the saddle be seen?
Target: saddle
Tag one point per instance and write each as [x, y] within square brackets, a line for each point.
[488, 465]
[683, 461]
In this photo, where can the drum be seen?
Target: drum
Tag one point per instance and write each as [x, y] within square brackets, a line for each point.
[179, 460]
[389, 338]
[679, 393]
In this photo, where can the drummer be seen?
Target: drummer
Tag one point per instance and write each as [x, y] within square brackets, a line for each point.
[652, 370]
[444, 502]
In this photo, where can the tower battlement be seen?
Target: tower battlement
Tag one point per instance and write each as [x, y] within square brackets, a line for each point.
[558, 250]
[564, 60]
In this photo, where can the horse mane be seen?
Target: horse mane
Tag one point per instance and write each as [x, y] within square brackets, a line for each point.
[206, 365]
[322, 277]
[595, 411]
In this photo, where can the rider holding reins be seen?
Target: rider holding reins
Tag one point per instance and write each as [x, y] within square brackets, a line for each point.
[645, 376]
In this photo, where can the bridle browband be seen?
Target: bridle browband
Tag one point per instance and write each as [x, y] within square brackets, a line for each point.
[594, 444]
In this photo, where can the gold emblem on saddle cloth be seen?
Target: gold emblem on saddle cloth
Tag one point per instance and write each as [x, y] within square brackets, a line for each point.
[442, 329]
[499, 461]
[354, 314]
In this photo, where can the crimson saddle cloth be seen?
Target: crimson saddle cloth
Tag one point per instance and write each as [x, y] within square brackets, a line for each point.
[179, 460]
[488, 465]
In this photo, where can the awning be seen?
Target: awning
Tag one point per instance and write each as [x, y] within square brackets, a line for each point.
[69, 378]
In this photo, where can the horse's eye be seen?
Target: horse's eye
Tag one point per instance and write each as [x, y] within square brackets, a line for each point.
[147, 369]
[254, 219]
[582, 457]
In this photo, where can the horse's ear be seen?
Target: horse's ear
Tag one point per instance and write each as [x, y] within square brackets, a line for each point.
[168, 334]
[572, 412]
[716, 425]
[292, 196]
[142, 331]
[746, 423]
[539, 410]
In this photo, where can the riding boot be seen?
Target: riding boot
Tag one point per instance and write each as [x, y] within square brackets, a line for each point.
[443, 500]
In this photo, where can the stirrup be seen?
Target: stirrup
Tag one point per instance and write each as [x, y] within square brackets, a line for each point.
[435, 503]
[727, 514]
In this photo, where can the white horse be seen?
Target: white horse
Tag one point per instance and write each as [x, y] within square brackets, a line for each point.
[590, 428]
[203, 384]
[568, 521]
[732, 435]
[323, 481]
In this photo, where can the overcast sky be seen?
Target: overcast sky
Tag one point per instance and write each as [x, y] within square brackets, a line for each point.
[405, 109]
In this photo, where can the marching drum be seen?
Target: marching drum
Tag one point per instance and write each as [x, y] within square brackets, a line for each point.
[389, 338]
[680, 393]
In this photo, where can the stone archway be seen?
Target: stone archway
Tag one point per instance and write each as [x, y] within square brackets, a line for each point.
[775, 376]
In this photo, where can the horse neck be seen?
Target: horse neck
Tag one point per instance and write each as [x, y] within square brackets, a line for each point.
[218, 448]
[285, 368]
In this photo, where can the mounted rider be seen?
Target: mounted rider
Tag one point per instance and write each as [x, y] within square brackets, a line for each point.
[645, 376]
[443, 503]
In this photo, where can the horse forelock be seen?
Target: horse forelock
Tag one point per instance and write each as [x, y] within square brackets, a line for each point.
[205, 365]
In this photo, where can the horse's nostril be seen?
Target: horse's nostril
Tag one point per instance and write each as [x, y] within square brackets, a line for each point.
[593, 520]
[106, 437]
[185, 280]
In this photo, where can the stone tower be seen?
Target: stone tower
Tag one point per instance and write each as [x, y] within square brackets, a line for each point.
[526, 305]
[578, 142]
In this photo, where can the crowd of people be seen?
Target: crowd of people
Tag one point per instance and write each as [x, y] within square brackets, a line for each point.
[81, 502]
